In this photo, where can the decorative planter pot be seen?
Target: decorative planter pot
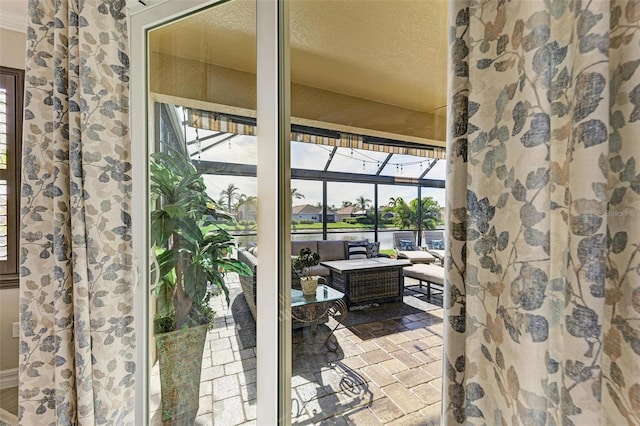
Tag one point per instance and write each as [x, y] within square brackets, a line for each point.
[180, 356]
[309, 285]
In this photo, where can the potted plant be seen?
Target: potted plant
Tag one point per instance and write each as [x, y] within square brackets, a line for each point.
[302, 265]
[192, 257]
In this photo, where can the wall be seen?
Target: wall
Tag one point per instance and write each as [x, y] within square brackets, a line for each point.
[12, 55]
[195, 80]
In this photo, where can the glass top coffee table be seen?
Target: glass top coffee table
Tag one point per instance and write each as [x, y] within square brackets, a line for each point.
[309, 309]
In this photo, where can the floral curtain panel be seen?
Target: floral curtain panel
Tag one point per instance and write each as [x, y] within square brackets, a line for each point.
[543, 204]
[77, 350]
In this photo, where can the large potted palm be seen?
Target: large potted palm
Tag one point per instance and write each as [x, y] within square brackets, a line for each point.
[192, 253]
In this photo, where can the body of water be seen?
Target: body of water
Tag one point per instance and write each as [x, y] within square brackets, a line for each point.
[385, 237]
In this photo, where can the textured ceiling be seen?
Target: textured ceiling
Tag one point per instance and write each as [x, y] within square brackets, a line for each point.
[388, 51]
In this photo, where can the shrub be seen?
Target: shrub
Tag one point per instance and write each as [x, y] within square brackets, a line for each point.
[307, 222]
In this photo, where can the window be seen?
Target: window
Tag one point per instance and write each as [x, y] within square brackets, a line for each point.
[11, 95]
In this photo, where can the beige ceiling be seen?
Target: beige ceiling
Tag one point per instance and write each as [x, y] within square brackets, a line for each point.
[388, 51]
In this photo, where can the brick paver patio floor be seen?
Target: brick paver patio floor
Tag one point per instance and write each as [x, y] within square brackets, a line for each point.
[386, 372]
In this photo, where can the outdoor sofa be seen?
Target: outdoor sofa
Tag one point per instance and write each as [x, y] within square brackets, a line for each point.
[327, 249]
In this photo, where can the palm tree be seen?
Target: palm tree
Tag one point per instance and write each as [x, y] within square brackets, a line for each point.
[362, 202]
[393, 201]
[296, 194]
[346, 204]
[250, 201]
[430, 212]
[405, 215]
[229, 195]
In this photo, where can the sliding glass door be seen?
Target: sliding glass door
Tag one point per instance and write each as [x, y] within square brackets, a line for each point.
[198, 97]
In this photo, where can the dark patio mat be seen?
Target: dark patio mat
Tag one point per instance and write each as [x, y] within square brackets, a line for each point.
[414, 302]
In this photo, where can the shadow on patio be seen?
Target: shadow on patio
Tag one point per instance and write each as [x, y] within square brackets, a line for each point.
[386, 369]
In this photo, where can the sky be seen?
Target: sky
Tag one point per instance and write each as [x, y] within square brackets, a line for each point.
[242, 149]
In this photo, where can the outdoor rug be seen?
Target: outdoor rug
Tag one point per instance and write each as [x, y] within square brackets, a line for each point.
[414, 302]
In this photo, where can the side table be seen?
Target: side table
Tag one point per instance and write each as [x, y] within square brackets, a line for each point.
[309, 309]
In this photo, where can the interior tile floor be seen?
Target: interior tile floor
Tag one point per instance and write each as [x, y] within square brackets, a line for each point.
[385, 372]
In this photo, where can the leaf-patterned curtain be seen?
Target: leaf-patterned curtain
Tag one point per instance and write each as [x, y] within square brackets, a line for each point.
[543, 204]
[77, 348]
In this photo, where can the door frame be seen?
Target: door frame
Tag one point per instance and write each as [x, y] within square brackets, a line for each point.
[273, 103]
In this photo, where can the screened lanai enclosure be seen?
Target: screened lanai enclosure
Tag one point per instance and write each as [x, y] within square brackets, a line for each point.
[343, 185]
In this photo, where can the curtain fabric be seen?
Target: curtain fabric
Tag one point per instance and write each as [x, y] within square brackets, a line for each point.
[543, 271]
[77, 359]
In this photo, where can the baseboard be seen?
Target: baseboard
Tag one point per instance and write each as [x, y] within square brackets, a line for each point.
[9, 378]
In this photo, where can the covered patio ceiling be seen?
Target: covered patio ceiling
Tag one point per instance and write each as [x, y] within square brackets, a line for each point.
[375, 68]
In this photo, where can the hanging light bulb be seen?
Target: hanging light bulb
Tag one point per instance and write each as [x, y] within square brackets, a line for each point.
[352, 152]
[401, 170]
[363, 166]
[229, 144]
[421, 165]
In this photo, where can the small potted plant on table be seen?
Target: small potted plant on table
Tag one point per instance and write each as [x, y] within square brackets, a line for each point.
[302, 265]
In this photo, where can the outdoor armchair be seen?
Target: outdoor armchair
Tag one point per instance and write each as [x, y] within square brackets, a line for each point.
[404, 243]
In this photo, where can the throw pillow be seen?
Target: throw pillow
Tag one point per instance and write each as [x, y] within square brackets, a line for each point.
[437, 244]
[357, 251]
[407, 245]
[373, 249]
[348, 242]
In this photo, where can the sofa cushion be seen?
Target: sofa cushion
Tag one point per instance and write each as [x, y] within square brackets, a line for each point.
[357, 251]
[320, 271]
[331, 250]
[346, 245]
[296, 246]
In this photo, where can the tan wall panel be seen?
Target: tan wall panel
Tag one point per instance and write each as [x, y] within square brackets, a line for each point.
[13, 46]
[194, 80]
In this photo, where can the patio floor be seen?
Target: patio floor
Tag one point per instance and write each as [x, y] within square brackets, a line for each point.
[385, 372]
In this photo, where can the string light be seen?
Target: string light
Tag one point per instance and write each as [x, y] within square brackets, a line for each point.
[368, 159]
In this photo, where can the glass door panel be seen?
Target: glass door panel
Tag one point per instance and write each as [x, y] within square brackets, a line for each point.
[368, 90]
[203, 216]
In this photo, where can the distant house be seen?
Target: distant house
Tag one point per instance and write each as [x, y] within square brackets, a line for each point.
[350, 211]
[309, 212]
[385, 213]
